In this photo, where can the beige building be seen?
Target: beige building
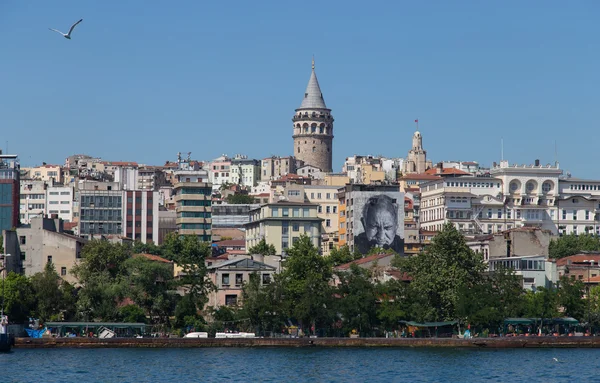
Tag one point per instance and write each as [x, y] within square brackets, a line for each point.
[282, 223]
[48, 173]
[523, 241]
[326, 199]
[275, 167]
[230, 276]
[33, 246]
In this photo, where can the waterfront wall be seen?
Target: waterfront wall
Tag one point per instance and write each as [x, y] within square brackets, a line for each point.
[518, 342]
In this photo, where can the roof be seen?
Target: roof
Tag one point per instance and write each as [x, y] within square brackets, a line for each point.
[152, 257]
[232, 242]
[69, 225]
[420, 176]
[362, 261]
[120, 163]
[447, 171]
[245, 263]
[579, 258]
[398, 275]
[229, 232]
[313, 97]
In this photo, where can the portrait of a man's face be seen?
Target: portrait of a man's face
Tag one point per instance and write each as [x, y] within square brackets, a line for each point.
[379, 220]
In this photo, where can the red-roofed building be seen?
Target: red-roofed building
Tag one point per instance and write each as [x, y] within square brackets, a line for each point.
[579, 266]
[377, 264]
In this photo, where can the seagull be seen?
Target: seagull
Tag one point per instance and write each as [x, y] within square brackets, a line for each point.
[67, 35]
[556, 360]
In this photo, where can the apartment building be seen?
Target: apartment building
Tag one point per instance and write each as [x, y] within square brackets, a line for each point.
[9, 191]
[326, 199]
[244, 171]
[282, 223]
[59, 201]
[32, 200]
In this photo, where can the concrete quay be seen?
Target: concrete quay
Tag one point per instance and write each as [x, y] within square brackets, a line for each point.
[482, 343]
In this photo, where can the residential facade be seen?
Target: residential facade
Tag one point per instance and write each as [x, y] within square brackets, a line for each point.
[282, 223]
[32, 200]
[326, 199]
[244, 171]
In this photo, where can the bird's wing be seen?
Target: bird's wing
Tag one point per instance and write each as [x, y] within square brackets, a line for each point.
[73, 26]
[56, 30]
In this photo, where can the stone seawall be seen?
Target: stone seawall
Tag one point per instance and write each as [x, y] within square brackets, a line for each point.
[495, 343]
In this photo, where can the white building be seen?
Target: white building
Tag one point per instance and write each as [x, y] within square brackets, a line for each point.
[244, 171]
[33, 200]
[126, 177]
[514, 196]
[535, 270]
[60, 201]
[578, 206]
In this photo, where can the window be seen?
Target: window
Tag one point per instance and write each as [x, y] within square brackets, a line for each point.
[230, 300]
[53, 193]
[225, 279]
[328, 223]
[285, 212]
[239, 279]
[49, 259]
[499, 213]
[546, 187]
[514, 186]
[530, 186]
[63, 271]
[22, 256]
[296, 227]
[328, 209]
[306, 212]
[320, 209]
[574, 215]
[65, 202]
[295, 212]
[266, 279]
[328, 195]
[318, 195]
[22, 240]
[564, 214]
[335, 209]
[587, 215]
[274, 212]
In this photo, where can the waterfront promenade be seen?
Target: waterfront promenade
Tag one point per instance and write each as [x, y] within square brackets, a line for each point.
[491, 343]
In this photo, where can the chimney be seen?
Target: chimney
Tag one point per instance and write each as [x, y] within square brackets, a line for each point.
[537, 162]
[440, 168]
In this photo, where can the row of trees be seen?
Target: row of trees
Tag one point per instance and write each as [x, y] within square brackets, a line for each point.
[572, 244]
[447, 282]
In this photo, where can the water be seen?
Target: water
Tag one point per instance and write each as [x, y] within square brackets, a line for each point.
[300, 365]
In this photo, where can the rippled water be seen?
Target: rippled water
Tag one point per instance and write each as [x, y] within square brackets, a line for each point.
[300, 365]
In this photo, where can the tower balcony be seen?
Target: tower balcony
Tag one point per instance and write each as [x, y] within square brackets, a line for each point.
[313, 117]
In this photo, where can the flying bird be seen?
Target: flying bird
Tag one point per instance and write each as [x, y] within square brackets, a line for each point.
[67, 35]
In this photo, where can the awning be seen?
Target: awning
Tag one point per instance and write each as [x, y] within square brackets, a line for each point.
[429, 324]
[518, 321]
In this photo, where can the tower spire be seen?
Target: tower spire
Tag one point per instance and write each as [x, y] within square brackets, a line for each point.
[313, 62]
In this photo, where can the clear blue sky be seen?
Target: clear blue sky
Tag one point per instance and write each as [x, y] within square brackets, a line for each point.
[142, 80]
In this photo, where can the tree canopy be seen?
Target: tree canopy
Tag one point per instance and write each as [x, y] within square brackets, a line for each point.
[571, 244]
[262, 247]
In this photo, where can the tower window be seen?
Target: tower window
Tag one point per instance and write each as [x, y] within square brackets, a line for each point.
[328, 149]
[298, 149]
[314, 149]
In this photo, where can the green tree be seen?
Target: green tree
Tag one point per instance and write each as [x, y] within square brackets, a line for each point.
[262, 305]
[240, 199]
[541, 303]
[342, 255]
[102, 278]
[263, 248]
[357, 301]
[571, 244]
[394, 303]
[570, 297]
[190, 254]
[1, 244]
[439, 275]
[305, 279]
[132, 314]
[149, 286]
[147, 248]
[54, 297]
[19, 297]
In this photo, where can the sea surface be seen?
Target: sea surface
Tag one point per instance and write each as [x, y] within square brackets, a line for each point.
[300, 365]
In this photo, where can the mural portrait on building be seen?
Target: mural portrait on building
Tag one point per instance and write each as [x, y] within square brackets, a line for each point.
[381, 216]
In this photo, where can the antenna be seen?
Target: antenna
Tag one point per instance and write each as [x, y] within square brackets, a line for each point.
[501, 149]
[555, 153]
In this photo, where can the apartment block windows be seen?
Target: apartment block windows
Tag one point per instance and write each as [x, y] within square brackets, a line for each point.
[587, 215]
[564, 214]
[574, 215]
[225, 279]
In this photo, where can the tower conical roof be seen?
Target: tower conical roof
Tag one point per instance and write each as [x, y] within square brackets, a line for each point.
[313, 97]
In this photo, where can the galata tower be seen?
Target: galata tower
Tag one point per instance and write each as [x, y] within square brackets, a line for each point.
[313, 127]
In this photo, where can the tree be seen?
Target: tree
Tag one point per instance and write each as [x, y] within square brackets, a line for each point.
[305, 279]
[240, 199]
[146, 248]
[1, 244]
[54, 297]
[19, 298]
[263, 248]
[442, 272]
[190, 254]
[541, 303]
[570, 297]
[262, 305]
[149, 285]
[394, 303]
[571, 244]
[342, 255]
[101, 274]
[357, 302]
[132, 314]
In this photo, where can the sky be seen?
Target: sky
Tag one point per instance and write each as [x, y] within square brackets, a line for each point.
[142, 80]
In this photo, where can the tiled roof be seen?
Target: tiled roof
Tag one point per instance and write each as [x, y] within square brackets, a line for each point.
[447, 171]
[362, 261]
[579, 258]
[152, 257]
[232, 242]
[420, 176]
